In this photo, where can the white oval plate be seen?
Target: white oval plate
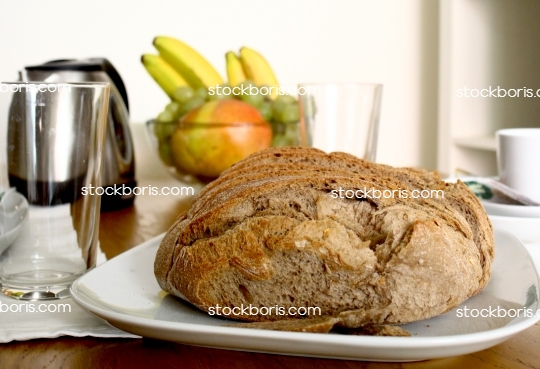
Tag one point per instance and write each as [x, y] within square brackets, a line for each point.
[124, 292]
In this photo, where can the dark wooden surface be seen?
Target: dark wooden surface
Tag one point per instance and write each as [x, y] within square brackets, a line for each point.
[152, 215]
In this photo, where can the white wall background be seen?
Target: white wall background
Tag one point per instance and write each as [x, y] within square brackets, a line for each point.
[393, 42]
[485, 43]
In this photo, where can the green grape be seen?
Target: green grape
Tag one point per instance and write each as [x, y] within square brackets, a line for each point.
[265, 108]
[287, 99]
[168, 130]
[292, 134]
[277, 108]
[201, 92]
[278, 128]
[192, 104]
[165, 117]
[254, 100]
[242, 87]
[266, 90]
[183, 94]
[221, 95]
[174, 108]
[163, 131]
[225, 89]
[214, 96]
[164, 150]
[290, 113]
[158, 130]
[285, 134]
[277, 141]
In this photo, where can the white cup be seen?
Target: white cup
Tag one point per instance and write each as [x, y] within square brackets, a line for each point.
[518, 160]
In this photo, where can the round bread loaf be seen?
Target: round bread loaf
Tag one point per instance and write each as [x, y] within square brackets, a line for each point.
[273, 231]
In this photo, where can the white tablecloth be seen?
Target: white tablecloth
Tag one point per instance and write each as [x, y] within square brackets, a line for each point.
[17, 323]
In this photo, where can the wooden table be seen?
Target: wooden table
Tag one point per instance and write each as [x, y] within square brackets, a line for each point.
[152, 215]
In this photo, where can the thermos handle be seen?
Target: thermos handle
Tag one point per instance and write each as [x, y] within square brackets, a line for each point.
[115, 77]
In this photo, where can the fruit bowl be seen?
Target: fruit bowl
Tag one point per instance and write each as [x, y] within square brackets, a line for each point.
[197, 153]
[210, 122]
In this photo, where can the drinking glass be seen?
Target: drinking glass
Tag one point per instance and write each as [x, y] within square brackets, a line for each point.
[342, 117]
[51, 146]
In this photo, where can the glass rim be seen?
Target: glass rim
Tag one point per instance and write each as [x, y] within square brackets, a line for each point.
[361, 84]
[212, 124]
[72, 84]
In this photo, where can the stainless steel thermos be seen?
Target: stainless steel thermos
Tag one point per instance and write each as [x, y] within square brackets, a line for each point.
[52, 183]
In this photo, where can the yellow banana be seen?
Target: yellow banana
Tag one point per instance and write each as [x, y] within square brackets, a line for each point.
[235, 72]
[191, 65]
[165, 75]
[257, 69]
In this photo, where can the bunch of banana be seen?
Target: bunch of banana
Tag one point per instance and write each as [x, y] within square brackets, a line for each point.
[165, 75]
[235, 70]
[250, 68]
[257, 69]
[190, 81]
[177, 59]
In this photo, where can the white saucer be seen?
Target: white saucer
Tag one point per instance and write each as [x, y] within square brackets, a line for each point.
[521, 211]
[13, 214]
[526, 229]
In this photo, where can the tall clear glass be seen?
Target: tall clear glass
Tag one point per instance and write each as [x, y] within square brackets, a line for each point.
[342, 117]
[51, 147]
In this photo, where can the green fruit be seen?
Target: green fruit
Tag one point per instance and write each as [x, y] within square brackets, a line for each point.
[277, 108]
[254, 100]
[216, 97]
[278, 141]
[266, 90]
[221, 95]
[158, 131]
[165, 117]
[165, 153]
[286, 134]
[183, 94]
[292, 134]
[192, 104]
[243, 87]
[290, 113]
[175, 109]
[228, 90]
[265, 108]
[287, 99]
[163, 131]
[201, 92]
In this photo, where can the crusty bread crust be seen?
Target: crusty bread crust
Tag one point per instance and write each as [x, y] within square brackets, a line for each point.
[269, 232]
